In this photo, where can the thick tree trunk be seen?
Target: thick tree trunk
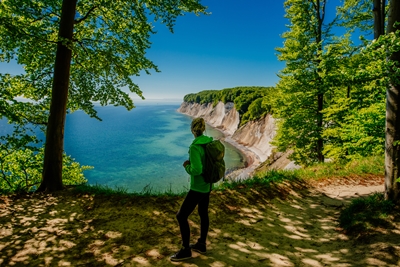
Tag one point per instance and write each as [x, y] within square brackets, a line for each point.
[392, 144]
[379, 18]
[52, 167]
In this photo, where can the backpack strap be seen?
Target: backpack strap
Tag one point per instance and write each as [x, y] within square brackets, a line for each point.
[204, 148]
[203, 160]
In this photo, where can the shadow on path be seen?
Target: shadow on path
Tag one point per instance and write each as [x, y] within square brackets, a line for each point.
[286, 225]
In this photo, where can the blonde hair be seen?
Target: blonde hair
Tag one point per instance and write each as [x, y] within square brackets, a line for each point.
[198, 126]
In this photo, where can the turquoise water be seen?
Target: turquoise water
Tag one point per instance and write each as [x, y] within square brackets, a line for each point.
[143, 147]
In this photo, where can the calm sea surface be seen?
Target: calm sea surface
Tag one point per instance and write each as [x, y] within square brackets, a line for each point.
[134, 149]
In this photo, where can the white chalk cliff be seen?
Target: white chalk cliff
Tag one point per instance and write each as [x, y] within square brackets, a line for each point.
[254, 138]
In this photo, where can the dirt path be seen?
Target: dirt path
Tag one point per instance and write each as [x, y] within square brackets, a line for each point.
[284, 226]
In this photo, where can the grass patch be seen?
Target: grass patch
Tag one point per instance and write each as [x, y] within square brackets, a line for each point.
[149, 191]
[98, 189]
[369, 165]
[104, 190]
[365, 213]
[261, 179]
[264, 179]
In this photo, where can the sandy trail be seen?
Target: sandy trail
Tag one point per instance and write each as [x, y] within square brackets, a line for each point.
[281, 226]
[300, 230]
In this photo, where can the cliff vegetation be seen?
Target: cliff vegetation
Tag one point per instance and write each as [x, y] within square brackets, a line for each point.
[252, 102]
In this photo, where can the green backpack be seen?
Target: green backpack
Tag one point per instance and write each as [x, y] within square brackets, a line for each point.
[214, 167]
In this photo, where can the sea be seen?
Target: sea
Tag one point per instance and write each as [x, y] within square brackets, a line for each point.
[138, 150]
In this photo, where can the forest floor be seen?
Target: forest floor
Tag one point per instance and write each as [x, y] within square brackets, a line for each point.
[284, 225]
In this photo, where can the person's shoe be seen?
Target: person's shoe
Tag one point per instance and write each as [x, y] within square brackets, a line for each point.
[199, 247]
[181, 255]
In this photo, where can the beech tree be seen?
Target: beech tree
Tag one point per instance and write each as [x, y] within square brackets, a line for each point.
[382, 69]
[301, 85]
[392, 143]
[75, 52]
[356, 111]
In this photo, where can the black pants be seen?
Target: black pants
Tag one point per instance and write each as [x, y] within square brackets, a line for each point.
[192, 200]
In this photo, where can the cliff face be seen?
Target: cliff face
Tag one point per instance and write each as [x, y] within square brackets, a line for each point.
[222, 116]
[257, 136]
[254, 136]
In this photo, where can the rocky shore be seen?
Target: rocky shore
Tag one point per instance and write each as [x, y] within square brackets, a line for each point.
[253, 139]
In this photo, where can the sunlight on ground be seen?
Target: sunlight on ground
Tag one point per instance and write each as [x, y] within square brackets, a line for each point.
[247, 228]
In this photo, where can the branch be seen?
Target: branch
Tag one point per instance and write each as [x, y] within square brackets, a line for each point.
[20, 32]
[81, 45]
[328, 28]
[315, 6]
[40, 76]
[323, 10]
[26, 178]
[35, 122]
[80, 64]
[86, 16]
[4, 176]
[31, 120]
[29, 185]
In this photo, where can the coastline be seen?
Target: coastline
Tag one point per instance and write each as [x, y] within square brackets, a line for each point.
[251, 158]
[252, 140]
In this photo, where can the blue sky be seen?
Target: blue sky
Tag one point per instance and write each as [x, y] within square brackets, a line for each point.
[233, 46]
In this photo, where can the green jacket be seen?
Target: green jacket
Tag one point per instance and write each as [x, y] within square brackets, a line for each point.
[195, 168]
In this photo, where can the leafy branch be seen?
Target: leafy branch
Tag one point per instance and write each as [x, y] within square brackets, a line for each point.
[85, 16]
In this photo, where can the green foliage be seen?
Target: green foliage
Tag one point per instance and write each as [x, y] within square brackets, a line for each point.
[72, 172]
[363, 213]
[203, 97]
[21, 168]
[360, 133]
[356, 15]
[357, 111]
[21, 162]
[357, 166]
[255, 111]
[245, 98]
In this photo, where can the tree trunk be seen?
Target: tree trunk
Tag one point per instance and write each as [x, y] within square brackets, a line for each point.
[392, 143]
[320, 97]
[379, 18]
[320, 142]
[53, 154]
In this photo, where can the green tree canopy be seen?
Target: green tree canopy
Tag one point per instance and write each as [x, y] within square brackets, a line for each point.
[75, 53]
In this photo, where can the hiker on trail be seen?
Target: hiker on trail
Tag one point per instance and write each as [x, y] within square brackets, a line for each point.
[198, 195]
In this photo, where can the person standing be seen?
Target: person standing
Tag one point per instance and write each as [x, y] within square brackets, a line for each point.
[198, 195]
